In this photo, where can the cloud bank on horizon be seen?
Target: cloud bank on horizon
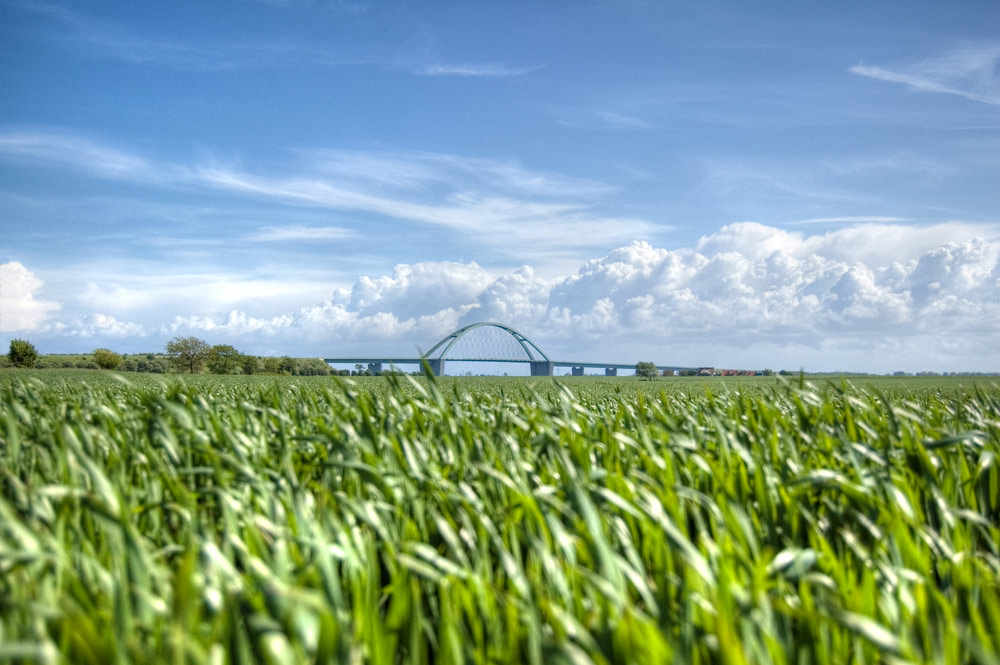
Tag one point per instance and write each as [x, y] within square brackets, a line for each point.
[931, 293]
[311, 178]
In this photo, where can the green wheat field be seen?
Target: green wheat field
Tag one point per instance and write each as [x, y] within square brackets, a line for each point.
[399, 520]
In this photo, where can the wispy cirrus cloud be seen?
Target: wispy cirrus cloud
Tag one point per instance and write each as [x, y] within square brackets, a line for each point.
[485, 70]
[76, 152]
[969, 72]
[517, 226]
[296, 232]
[495, 204]
[624, 121]
[111, 39]
[605, 119]
[426, 171]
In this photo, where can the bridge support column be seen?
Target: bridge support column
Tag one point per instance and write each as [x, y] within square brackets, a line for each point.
[437, 366]
[542, 367]
[610, 371]
[375, 368]
[577, 371]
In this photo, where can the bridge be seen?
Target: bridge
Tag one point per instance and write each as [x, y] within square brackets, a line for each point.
[490, 343]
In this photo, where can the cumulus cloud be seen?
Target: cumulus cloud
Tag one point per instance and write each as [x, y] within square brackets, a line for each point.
[871, 296]
[98, 325]
[20, 310]
[744, 286]
[416, 289]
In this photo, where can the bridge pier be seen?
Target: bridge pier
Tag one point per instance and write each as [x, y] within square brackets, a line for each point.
[610, 371]
[578, 371]
[375, 368]
[436, 365]
[542, 367]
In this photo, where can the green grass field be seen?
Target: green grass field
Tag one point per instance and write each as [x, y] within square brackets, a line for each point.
[304, 519]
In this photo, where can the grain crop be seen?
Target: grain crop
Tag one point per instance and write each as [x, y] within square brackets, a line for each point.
[399, 520]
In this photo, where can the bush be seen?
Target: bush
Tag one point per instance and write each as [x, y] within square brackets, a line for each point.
[107, 359]
[311, 367]
[22, 353]
[646, 370]
[155, 366]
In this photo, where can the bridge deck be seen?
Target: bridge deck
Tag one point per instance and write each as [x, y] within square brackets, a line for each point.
[385, 360]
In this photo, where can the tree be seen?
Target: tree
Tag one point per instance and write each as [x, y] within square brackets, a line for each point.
[646, 370]
[249, 364]
[224, 359]
[22, 353]
[188, 353]
[107, 359]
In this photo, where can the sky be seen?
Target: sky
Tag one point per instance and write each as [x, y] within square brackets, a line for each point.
[745, 185]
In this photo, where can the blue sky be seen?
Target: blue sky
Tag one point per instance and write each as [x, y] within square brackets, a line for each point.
[717, 184]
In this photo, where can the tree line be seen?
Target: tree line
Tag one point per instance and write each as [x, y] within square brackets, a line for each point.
[185, 355]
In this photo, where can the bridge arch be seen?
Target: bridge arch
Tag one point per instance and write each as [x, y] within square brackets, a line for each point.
[531, 350]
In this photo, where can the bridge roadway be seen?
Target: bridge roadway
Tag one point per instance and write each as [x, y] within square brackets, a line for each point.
[538, 367]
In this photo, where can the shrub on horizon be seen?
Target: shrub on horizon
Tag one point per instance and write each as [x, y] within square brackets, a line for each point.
[107, 359]
[22, 353]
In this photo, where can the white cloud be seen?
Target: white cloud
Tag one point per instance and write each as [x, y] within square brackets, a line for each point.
[427, 172]
[489, 70]
[868, 297]
[872, 219]
[506, 223]
[103, 38]
[75, 152]
[138, 293]
[969, 72]
[100, 326]
[299, 232]
[746, 286]
[20, 310]
[499, 205]
[416, 289]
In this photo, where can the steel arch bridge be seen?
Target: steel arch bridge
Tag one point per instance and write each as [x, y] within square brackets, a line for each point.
[485, 352]
[489, 342]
